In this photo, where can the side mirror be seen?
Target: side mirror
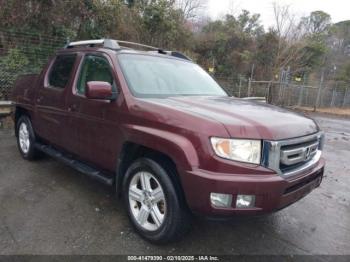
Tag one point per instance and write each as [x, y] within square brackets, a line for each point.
[98, 90]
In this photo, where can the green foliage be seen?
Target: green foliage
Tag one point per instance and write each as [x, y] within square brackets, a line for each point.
[340, 51]
[250, 24]
[344, 73]
[14, 61]
[230, 44]
[267, 45]
[314, 54]
[11, 66]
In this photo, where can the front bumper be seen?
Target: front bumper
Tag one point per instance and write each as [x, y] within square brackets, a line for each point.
[272, 192]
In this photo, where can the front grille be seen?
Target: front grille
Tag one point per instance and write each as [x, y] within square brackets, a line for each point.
[292, 156]
[296, 155]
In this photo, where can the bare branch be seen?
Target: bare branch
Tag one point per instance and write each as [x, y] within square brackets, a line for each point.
[290, 50]
[191, 8]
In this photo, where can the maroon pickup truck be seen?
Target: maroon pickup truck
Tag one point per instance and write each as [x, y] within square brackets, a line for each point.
[158, 128]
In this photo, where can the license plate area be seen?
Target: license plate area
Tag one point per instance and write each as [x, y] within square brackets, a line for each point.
[311, 182]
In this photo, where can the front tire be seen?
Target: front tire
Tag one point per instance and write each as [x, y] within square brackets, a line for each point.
[26, 138]
[153, 203]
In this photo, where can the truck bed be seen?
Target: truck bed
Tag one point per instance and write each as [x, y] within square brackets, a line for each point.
[24, 88]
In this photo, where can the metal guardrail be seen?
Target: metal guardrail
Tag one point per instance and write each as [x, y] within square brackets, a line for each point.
[6, 108]
[6, 103]
[255, 98]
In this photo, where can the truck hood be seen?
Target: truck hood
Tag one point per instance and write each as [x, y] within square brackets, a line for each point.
[244, 119]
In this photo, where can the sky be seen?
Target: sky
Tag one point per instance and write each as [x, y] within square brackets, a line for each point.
[338, 9]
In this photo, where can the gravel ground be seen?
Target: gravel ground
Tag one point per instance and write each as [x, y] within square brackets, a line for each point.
[49, 208]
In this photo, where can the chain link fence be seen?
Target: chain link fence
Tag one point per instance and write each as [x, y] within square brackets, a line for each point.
[6, 82]
[331, 95]
[23, 53]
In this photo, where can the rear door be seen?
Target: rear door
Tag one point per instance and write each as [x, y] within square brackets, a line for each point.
[51, 115]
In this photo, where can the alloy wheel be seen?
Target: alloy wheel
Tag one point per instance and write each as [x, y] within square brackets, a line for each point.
[24, 139]
[147, 201]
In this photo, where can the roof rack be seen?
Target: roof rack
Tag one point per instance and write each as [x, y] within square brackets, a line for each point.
[118, 44]
[107, 43]
[137, 44]
[172, 53]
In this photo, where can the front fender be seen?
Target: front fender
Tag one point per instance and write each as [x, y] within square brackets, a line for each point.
[179, 148]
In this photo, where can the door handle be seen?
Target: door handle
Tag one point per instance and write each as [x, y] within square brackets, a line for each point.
[38, 100]
[72, 108]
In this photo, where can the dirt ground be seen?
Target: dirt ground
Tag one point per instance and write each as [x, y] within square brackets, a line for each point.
[344, 112]
[49, 208]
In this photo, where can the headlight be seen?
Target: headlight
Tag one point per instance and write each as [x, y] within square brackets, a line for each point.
[237, 149]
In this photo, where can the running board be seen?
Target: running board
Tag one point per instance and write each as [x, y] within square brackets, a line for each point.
[77, 165]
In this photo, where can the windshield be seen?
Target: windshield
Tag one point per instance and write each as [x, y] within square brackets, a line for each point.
[152, 76]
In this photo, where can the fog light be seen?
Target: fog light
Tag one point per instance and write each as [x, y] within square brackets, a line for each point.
[245, 201]
[220, 200]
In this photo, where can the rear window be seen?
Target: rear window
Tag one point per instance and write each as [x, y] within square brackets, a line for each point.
[61, 71]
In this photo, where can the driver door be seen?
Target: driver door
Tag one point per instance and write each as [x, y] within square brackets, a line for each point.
[94, 134]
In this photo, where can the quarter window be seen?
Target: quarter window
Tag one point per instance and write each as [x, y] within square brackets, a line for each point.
[61, 71]
[95, 68]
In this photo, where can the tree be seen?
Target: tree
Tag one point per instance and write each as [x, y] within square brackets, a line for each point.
[339, 50]
[191, 8]
[163, 25]
[267, 44]
[318, 22]
[297, 48]
[316, 27]
[230, 44]
[250, 23]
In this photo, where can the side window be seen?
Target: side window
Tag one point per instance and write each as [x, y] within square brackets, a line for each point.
[95, 68]
[61, 70]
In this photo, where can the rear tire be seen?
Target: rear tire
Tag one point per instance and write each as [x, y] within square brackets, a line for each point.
[26, 138]
[153, 203]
